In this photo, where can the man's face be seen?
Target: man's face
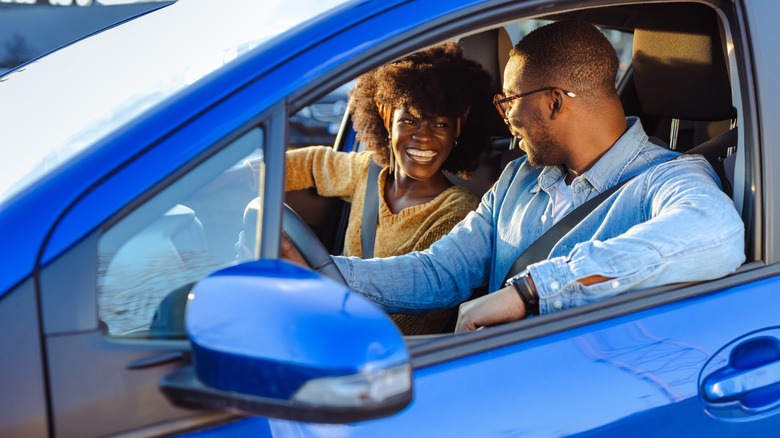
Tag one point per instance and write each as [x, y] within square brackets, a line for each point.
[529, 120]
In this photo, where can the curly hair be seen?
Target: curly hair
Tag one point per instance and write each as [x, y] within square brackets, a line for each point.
[436, 81]
[570, 54]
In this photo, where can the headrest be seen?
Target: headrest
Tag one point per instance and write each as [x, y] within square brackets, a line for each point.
[491, 49]
[679, 63]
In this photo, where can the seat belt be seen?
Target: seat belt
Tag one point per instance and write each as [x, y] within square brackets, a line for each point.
[540, 249]
[370, 211]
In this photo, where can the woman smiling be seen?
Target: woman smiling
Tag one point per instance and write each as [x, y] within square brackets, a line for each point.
[418, 117]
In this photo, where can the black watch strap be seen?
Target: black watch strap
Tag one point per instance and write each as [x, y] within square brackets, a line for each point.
[525, 288]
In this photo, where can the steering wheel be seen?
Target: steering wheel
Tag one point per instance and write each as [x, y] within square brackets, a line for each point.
[309, 245]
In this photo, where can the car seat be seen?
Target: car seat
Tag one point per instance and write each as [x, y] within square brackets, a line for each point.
[680, 72]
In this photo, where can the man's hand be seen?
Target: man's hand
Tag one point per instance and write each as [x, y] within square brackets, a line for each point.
[503, 305]
[290, 252]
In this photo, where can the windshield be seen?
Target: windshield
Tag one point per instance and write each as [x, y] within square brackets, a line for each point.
[62, 103]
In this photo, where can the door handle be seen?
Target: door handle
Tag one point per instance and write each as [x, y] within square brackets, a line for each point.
[731, 383]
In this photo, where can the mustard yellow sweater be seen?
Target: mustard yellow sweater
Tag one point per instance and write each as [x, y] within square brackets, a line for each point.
[344, 175]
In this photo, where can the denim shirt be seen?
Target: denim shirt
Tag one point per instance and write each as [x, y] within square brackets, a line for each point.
[670, 223]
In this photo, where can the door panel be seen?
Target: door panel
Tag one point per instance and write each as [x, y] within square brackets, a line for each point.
[633, 375]
[22, 386]
[93, 391]
[626, 376]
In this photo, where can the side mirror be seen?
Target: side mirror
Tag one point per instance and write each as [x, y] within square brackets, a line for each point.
[270, 338]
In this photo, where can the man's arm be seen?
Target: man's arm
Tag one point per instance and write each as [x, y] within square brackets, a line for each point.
[502, 306]
[692, 233]
[689, 231]
[437, 278]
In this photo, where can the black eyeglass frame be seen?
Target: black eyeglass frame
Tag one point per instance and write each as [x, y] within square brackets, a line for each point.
[500, 101]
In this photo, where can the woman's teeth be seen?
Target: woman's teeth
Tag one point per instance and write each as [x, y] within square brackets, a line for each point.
[420, 154]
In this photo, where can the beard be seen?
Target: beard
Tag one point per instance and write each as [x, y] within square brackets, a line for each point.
[544, 150]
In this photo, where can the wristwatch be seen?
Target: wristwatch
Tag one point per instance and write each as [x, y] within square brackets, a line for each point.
[525, 288]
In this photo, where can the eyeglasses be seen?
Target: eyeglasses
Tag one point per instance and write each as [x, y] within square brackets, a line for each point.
[503, 103]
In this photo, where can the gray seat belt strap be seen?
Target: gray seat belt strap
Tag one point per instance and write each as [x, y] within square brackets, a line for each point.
[370, 211]
[540, 249]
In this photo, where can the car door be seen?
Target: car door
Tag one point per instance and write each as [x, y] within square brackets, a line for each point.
[667, 362]
[111, 300]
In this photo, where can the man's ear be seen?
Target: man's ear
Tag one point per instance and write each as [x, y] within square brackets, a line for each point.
[557, 104]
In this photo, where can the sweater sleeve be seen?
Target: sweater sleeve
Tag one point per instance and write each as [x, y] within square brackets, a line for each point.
[331, 172]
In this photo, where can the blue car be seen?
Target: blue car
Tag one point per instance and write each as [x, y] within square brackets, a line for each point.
[141, 290]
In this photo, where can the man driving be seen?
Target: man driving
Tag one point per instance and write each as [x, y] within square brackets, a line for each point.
[669, 223]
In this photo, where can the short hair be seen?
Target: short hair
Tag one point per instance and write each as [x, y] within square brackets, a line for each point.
[437, 81]
[569, 54]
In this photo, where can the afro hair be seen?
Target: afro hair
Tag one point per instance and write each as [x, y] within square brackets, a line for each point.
[438, 81]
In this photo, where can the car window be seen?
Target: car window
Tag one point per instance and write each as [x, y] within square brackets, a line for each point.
[319, 123]
[204, 221]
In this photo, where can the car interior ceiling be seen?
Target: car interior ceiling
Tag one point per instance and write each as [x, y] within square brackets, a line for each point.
[702, 108]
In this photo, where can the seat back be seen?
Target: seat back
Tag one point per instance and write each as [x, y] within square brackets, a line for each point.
[716, 151]
[680, 72]
[679, 63]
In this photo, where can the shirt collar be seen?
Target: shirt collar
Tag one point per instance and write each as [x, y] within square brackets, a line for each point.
[611, 167]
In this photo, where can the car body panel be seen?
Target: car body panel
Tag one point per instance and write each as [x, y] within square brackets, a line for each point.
[23, 377]
[655, 357]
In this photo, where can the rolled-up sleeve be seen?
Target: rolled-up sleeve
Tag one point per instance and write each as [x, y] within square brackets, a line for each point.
[689, 230]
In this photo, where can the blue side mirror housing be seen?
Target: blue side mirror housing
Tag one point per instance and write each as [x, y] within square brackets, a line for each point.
[273, 339]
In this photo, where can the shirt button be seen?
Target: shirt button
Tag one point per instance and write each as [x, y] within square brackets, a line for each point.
[554, 285]
[557, 304]
[615, 284]
[544, 218]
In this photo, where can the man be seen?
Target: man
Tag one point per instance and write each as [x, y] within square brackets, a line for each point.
[669, 223]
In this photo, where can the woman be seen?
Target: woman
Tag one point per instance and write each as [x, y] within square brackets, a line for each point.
[419, 117]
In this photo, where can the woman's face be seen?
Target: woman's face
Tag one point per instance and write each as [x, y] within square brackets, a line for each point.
[421, 144]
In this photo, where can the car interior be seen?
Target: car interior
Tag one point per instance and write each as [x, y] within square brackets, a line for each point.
[679, 83]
